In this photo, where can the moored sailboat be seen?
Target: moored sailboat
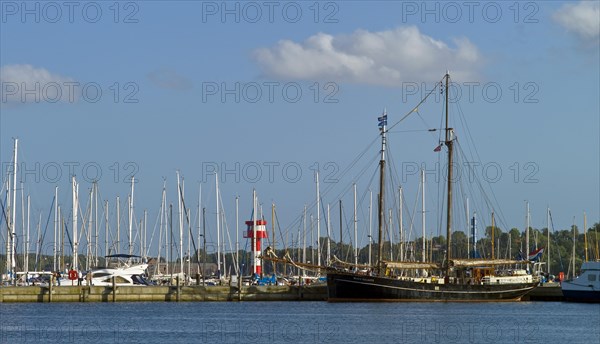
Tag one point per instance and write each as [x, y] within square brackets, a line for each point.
[459, 279]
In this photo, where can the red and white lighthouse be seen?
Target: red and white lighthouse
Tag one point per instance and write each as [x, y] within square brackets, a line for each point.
[256, 233]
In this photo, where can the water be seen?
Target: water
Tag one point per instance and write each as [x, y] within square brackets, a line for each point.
[300, 322]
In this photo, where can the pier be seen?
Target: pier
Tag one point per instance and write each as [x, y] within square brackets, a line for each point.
[162, 293]
[196, 293]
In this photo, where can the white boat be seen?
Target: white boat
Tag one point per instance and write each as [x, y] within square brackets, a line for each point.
[126, 273]
[586, 286]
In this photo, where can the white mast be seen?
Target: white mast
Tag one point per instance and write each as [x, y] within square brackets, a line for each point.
[468, 236]
[355, 229]
[145, 254]
[237, 236]
[180, 214]
[105, 229]
[318, 224]
[199, 214]
[312, 239]
[371, 224]
[131, 217]
[304, 245]
[527, 234]
[254, 256]
[55, 226]
[162, 228]
[88, 247]
[61, 227]
[8, 229]
[548, 241]
[189, 242]
[96, 223]
[328, 261]
[401, 225]
[573, 255]
[23, 229]
[27, 235]
[118, 226]
[218, 228]
[75, 188]
[14, 209]
[423, 215]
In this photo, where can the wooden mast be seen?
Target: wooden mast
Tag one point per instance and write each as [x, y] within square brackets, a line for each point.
[448, 143]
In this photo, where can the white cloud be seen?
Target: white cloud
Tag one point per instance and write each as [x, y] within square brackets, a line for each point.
[23, 83]
[169, 79]
[582, 18]
[380, 58]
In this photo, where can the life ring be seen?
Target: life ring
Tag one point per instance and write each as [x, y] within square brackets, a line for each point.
[73, 275]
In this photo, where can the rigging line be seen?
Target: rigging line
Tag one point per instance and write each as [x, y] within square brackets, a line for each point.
[187, 217]
[562, 268]
[156, 223]
[416, 108]
[495, 202]
[331, 186]
[410, 131]
[427, 125]
[374, 140]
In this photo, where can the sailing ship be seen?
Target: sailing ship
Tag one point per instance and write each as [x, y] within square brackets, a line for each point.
[460, 280]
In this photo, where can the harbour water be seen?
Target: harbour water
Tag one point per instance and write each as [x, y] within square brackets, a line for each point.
[300, 322]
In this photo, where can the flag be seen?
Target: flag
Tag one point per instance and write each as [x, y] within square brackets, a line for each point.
[438, 148]
[382, 120]
[536, 255]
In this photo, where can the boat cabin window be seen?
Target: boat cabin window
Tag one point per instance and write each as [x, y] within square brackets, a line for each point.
[100, 274]
[118, 279]
[592, 278]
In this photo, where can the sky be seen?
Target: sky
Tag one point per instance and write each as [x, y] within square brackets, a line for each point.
[266, 93]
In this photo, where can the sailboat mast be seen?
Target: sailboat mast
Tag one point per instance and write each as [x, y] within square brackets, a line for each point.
[14, 211]
[355, 229]
[318, 224]
[449, 144]
[237, 234]
[423, 215]
[273, 234]
[218, 227]
[75, 190]
[380, 218]
[254, 209]
[400, 225]
[55, 226]
[118, 206]
[548, 239]
[105, 228]
[527, 235]
[131, 218]
[371, 224]
[573, 253]
[328, 260]
[493, 224]
[585, 236]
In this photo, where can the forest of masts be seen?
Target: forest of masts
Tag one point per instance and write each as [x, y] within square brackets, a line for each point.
[48, 240]
[79, 234]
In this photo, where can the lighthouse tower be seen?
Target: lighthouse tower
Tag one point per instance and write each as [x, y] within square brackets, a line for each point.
[261, 232]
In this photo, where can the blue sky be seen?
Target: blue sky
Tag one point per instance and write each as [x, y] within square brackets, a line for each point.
[164, 69]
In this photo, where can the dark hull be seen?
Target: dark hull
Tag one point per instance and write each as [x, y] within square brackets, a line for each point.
[581, 296]
[352, 287]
